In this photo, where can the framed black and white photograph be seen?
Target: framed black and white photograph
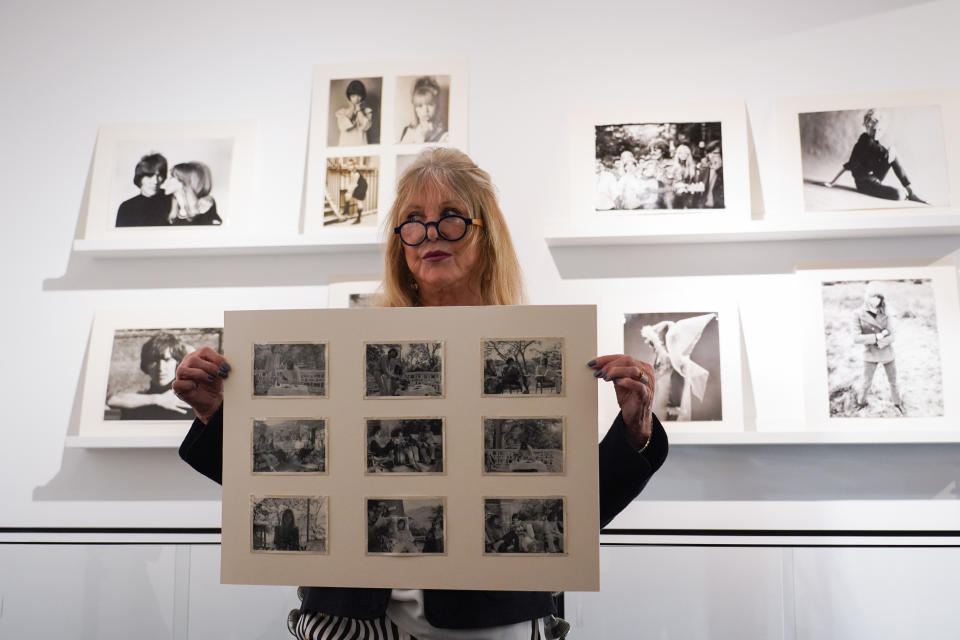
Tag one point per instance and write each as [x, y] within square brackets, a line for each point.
[874, 158]
[143, 365]
[131, 364]
[403, 369]
[684, 349]
[290, 369]
[524, 526]
[893, 155]
[355, 116]
[523, 444]
[289, 524]
[691, 335]
[421, 110]
[175, 181]
[522, 366]
[381, 112]
[289, 446]
[352, 189]
[406, 526]
[882, 349]
[404, 445]
[651, 167]
[659, 168]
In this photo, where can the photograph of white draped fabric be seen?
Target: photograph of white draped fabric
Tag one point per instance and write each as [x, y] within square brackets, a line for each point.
[684, 349]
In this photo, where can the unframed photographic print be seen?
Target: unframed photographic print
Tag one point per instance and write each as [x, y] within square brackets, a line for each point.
[362, 300]
[659, 166]
[523, 445]
[403, 369]
[523, 366]
[290, 369]
[143, 365]
[406, 526]
[289, 523]
[883, 349]
[404, 445]
[171, 183]
[684, 349]
[422, 114]
[352, 186]
[873, 158]
[354, 112]
[523, 526]
[289, 445]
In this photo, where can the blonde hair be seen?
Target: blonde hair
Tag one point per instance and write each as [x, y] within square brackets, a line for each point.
[450, 170]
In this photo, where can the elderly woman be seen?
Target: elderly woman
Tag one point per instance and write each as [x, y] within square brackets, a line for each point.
[450, 246]
[190, 184]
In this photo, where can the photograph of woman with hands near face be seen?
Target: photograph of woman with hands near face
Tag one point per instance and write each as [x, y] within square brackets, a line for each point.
[449, 246]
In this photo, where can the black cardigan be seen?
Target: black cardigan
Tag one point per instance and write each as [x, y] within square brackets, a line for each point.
[623, 474]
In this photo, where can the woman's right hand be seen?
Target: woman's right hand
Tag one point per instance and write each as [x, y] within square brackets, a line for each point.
[199, 381]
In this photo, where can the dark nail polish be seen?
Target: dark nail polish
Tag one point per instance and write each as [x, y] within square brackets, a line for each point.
[210, 377]
[598, 373]
[616, 380]
[591, 363]
[222, 374]
[225, 366]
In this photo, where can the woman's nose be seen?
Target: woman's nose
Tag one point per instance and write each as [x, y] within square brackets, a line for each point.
[432, 233]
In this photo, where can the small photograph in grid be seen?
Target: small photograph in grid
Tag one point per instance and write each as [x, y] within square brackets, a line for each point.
[289, 445]
[406, 526]
[404, 445]
[290, 369]
[533, 526]
[523, 445]
[422, 108]
[523, 367]
[289, 523]
[351, 189]
[354, 110]
[403, 369]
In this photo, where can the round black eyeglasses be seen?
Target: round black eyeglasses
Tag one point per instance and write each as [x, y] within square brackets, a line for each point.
[451, 228]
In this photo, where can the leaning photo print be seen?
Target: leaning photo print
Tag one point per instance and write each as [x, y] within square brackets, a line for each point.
[881, 352]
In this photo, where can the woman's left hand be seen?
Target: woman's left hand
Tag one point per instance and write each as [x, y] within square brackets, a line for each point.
[633, 381]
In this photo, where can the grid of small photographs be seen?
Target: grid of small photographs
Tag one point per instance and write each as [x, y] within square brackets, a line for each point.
[367, 125]
[408, 524]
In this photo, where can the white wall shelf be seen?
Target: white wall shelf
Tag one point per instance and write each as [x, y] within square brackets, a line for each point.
[634, 231]
[123, 442]
[152, 247]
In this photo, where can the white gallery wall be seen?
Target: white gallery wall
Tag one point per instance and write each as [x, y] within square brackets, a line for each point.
[66, 68]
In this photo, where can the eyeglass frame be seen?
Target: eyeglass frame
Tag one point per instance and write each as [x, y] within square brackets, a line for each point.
[469, 222]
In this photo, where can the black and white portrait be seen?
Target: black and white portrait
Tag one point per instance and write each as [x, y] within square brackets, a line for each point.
[882, 348]
[684, 349]
[404, 445]
[402, 369]
[658, 166]
[288, 445]
[143, 365]
[421, 113]
[523, 366]
[354, 110]
[289, 523]
[523, 445]
[352, 186]
[406, 526]
[290, 369]
[523, 525]
[873, 158]
[171, 183]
